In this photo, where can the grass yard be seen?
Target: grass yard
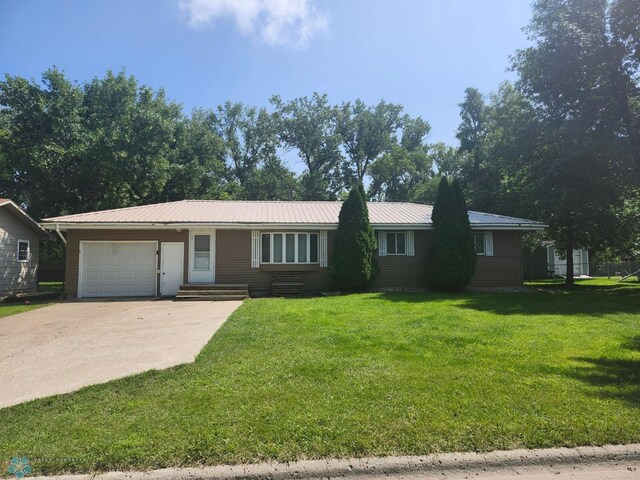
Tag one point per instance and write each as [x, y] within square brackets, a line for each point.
[7, 309]
[371, 374]
[50, 286]
[603, 284]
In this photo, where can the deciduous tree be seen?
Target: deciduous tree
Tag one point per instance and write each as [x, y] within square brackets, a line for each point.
[308, 125]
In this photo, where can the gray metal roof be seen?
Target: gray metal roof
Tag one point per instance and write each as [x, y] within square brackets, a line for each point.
[226, 212]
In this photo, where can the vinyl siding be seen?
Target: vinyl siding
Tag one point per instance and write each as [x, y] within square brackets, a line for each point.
[233, 260]
[504, 268]
[75, 236]
[233, 263]
[17, 277]
[403, 271]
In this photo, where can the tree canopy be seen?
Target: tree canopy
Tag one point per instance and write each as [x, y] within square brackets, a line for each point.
[560, 144]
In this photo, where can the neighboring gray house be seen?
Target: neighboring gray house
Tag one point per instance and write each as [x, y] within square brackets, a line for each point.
[20, 238]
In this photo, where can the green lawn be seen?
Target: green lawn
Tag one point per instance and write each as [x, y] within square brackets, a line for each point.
[371, 374]
[603, 284]
[7, 309]
[50, 286]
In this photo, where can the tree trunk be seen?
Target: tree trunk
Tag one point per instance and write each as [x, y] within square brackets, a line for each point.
[568, 282]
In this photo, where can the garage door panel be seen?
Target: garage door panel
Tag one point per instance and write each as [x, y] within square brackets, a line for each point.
[112, 269]
[94, 262]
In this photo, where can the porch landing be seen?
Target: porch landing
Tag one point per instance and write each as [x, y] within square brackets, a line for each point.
[213, 291]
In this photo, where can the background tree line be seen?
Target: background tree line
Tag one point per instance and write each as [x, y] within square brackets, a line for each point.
[561, 144]
[111, 142]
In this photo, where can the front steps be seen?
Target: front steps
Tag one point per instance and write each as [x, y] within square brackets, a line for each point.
[213, 291]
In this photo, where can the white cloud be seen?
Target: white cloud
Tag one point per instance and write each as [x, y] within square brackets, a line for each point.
[276, 22]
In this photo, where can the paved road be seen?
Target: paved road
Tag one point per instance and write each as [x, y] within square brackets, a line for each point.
[70, 345]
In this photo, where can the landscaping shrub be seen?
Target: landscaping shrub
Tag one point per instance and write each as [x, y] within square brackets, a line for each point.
[451, 260]
[353, 265]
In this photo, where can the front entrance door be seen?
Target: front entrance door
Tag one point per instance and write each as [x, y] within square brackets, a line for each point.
[202, 256]
[172, 268]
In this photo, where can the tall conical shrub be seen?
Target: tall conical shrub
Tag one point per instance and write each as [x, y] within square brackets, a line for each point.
[451, 260]
[353, 265]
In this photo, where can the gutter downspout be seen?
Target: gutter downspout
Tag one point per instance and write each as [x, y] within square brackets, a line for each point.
[64, 240]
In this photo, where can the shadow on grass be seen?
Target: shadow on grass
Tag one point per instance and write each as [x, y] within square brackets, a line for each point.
[612, 378]
[632, 343]
[555, 302]
[622, 288]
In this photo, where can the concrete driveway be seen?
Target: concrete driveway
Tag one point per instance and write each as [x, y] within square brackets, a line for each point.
[67, 346]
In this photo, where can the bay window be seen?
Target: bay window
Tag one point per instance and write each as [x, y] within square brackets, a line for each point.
[289, 247]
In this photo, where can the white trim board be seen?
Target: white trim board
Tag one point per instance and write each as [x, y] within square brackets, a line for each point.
[270, 226]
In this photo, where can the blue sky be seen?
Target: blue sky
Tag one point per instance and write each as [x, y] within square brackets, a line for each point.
[420, 53]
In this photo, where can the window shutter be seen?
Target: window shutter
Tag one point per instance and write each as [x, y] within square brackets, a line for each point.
[411, 249]
[255, 249]
[488, 244]
[323, 254]
[382, 244]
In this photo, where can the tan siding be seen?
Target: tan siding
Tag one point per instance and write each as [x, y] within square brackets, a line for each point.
[504, 269]
[75, 236]
[233, 260]
[404, 271]
[233, 263]
[17, 277]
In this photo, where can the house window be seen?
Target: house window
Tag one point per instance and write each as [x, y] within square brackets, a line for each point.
[396, 243]
[202, 252]
[290, 247]
[480, 243]
[23, 250]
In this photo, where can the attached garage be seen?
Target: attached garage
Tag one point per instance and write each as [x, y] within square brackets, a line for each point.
[118, 269]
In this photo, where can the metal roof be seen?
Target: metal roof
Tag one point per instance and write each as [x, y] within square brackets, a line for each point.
[227, 212]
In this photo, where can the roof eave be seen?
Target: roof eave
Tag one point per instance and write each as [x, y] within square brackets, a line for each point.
[27, 220]
[271, 226]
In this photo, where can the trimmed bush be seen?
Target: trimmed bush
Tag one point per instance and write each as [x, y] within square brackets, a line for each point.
[353, 265]
[451, 261]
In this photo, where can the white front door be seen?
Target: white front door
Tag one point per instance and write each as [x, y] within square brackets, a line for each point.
[202, 244]
[172, 268]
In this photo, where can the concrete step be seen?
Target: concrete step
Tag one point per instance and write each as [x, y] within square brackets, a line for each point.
[213, 292]
[214, 286]
[211, 297]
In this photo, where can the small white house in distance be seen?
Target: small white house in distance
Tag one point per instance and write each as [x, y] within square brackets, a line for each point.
[20, 237]
[557, 266]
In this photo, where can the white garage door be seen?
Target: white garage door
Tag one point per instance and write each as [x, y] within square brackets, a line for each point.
[118, 269]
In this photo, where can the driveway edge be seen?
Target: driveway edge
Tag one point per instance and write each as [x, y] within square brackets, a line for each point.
[445, 463]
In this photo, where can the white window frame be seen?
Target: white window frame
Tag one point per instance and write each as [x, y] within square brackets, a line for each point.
[487, 243]
[26, 260]
[484, 243]
[284, 248]
[395, 242]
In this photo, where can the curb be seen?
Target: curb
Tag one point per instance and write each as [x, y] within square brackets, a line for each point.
[440, 464]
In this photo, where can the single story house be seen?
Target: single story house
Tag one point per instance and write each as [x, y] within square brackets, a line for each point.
[152, 250]
[20, 237]
[548, 261]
